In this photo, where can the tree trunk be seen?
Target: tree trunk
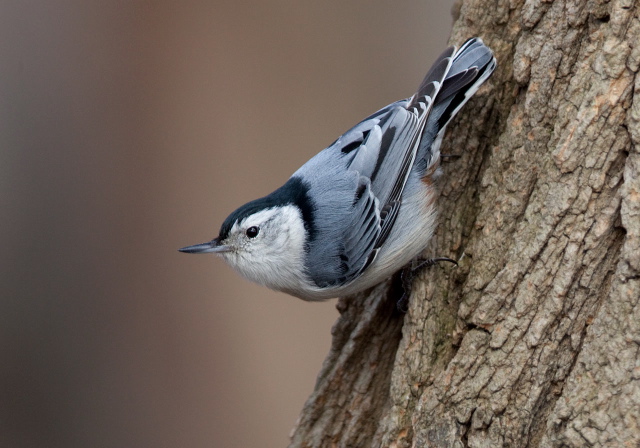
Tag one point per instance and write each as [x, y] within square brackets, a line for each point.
[534, 339]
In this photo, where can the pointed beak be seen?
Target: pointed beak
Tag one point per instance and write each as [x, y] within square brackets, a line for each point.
[212, 246]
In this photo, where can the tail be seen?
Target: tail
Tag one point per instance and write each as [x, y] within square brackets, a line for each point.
[449, 84]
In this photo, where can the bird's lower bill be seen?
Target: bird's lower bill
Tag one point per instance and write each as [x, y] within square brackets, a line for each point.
[212, 247]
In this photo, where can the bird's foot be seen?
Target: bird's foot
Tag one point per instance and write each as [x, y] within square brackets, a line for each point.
[409, 272]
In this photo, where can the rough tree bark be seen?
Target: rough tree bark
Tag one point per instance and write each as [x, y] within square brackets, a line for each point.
[534, 339]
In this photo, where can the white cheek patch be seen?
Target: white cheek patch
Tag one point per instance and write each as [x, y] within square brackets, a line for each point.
[277, 259]
[291, 219]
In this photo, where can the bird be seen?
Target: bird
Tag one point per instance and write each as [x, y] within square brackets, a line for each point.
[365, 206]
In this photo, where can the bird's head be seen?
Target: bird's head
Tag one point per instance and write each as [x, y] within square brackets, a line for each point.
[265, 243]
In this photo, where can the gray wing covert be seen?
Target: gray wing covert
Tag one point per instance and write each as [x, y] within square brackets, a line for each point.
[378, 155]
[355, 250]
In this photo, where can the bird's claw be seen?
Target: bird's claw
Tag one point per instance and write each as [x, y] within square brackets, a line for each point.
[408, 273]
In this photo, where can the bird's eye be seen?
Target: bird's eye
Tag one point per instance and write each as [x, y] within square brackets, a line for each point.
[253, 231]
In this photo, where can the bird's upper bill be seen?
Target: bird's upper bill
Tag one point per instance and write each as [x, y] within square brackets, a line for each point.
[212, 246]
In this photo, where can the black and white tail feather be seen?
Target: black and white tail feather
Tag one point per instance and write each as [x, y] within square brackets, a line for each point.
[449, 84]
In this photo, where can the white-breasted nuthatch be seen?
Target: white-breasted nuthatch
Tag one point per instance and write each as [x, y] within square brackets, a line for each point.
[363, 207]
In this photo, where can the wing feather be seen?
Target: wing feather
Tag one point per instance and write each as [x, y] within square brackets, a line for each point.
[378, 155]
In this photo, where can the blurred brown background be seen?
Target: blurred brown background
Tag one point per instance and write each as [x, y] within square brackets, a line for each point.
[129, 129]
